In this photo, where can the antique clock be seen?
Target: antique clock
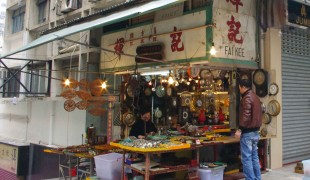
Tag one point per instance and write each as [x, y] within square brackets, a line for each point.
[260, 80]
[273, 108]
[160, 91]
[273, 89]
[266, 118]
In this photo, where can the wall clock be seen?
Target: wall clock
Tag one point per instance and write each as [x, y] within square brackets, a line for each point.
[263, 106]
[273, 108]
[158, 113]
[187, 100]
[194, 72]
[260, 79]
[206, 75]
[183, 115]
[273, 89]
[199, 102]
[148, 78]
[128, 119]
[129, 91]
[264, 131]
[160, 91]
[266, 118]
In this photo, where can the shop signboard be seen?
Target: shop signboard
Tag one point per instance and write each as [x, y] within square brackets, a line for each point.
[298, 13]
[8, 158]
[182, 38]
[234, 35]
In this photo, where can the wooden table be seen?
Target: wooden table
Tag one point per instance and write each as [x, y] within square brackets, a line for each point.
[147, 153]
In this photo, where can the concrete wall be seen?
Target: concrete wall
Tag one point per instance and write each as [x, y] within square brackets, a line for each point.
[41, 121]
[272, 63]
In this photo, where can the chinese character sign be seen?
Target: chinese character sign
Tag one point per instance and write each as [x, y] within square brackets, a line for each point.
[180, 38]
[233, 30]
[119, 45]
[176, 44]
[236, 3]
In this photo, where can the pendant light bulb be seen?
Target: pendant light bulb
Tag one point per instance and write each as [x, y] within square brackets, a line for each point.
[67, 82]
[170, 80]
[104, 85]
[212, 50]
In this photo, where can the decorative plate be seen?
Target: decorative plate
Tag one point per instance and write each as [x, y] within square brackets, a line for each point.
[82, 105]
[69, 105]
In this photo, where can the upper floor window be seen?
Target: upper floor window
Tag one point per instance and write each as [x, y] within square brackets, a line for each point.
[18, 19]
[12, 85]
[2, 14]
[36, 79]
[41, 9]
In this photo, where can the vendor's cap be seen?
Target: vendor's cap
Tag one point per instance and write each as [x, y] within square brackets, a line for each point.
[144, 110]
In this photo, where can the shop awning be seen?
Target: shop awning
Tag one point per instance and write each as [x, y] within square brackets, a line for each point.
[110, 19]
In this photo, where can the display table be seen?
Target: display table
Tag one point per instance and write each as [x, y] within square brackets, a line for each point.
[67, 161]
[184, 147]
[147, 153]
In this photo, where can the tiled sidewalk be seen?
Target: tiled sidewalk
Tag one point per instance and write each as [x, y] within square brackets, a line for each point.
[285, 173]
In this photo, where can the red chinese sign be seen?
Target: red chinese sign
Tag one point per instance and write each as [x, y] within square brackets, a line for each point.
[154, 34]
[119, 45]
[236, 3]
[109, 130]
[176, 41]
[131, 36]
[233, 30]
[142, 35]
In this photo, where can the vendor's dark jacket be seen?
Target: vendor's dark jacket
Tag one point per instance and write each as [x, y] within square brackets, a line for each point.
[250, 112]
[138, 128]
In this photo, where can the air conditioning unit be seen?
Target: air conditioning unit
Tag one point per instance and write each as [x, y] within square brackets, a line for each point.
[68, 5]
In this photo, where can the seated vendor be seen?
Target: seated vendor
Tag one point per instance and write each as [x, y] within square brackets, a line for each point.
[143, 125]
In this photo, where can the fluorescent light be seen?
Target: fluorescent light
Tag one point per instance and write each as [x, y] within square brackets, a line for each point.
[163, 73]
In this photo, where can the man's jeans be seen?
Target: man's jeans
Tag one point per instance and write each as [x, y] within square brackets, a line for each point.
[249, 156]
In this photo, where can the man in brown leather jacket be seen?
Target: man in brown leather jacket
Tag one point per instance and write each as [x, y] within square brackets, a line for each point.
[250, 120]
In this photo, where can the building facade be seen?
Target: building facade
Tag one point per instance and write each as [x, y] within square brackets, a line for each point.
[36, 108]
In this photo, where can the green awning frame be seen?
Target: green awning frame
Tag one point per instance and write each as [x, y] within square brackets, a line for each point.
[107, 20]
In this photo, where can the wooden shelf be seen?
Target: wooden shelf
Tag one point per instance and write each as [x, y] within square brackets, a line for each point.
[169, 170]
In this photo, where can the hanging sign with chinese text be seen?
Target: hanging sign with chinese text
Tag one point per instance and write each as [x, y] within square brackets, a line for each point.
[235, 31]
[180, 38]
[298, 13]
